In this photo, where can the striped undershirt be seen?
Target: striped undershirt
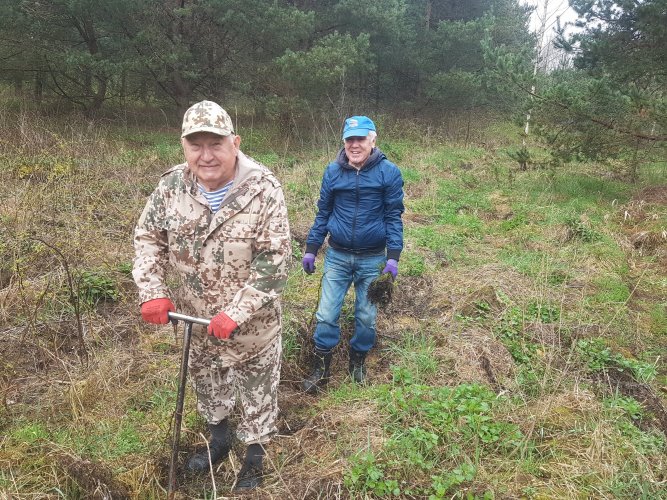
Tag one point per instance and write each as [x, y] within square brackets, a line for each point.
[215, 198]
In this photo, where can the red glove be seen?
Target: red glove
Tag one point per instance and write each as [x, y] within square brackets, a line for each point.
[222, 326]
[155, 311]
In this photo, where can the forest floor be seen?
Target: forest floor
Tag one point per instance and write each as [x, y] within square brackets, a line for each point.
[522, 354]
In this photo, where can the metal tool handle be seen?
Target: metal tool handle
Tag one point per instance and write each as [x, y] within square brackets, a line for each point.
[188, 319]
[180, 397]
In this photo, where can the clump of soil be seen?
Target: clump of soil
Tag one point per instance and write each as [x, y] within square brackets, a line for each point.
[648, 241]
[479, 358]
[615, 380]
[94, 478]
[381, 290]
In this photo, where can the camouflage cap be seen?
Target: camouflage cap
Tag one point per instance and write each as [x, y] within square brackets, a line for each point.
[207, 116]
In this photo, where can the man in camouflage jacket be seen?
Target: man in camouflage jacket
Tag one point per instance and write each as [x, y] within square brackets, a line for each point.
[219, 223]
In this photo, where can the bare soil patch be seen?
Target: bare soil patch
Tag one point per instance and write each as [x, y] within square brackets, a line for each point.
[656, 195]
[614, 381]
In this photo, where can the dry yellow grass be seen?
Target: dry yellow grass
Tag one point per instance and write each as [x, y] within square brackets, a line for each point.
[87, 206]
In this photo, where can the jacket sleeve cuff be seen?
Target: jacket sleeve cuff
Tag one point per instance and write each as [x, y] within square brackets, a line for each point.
[236, 315]
[146, 295]
[393, 254]
[312, 248]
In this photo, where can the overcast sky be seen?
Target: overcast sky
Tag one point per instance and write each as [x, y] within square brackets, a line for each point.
[555, 8]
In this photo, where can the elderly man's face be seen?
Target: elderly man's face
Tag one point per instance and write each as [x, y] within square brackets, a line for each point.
[358, 149]
[211, 157]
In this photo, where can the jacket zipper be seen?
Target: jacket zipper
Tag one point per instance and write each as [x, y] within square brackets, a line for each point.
[356, 207]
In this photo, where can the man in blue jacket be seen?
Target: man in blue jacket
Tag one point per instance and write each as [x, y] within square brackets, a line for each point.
[360, 207]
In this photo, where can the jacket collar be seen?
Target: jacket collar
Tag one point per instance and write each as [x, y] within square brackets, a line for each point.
[246, 169]
[374, 158]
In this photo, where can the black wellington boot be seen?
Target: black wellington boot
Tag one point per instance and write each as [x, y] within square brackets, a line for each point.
[357, 366]
[218, 447]
[320, 376]
[252, 471]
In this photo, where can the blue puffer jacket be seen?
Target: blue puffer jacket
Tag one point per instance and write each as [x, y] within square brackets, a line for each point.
[360, 209]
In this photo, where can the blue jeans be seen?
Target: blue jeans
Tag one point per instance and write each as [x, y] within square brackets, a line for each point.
[341, 269]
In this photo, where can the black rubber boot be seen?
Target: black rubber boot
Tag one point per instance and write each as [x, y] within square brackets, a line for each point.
[218, 447]
[320, 376]
[357, 366]
[252, 471]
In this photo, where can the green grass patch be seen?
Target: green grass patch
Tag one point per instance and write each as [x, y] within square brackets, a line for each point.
[291, 340]
[415, 359]
[611, 289]
[435, 238]
[411, 175]
[658, 319]
[453, 156]
[29, 433]
[396, 150]
[528, 262]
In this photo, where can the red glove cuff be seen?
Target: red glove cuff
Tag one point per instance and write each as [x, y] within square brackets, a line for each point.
[221, 326]
[156, 311]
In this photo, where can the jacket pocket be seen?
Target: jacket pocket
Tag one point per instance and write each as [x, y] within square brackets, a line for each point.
[183, 245]
[238, 235]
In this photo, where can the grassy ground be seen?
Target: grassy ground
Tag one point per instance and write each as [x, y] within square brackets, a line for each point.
[522, 356]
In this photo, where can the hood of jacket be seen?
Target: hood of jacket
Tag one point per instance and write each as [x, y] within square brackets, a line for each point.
[374, 158]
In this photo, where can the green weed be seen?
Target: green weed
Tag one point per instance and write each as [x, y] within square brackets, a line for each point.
[584, 187]
[436, 239]
[530, 263]
[598, 357]
[269, 159]
[653, 173]
[443, 483]
[396, 151]
[45, 167]
[579, 228]
[29, 433]
[430, 429]
[517, 220]
[125, 268]
[626, 412]
[509, 331]
[544, 313]
[95, 286]
[365, 475]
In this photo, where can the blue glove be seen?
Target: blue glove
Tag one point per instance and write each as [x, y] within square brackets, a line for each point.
[308, 263]
[391, 267]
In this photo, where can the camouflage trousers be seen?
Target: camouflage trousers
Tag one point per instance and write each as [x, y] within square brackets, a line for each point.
[254, 383]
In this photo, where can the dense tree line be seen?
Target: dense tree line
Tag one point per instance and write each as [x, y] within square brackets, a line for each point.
[285, 56]
[292, 59]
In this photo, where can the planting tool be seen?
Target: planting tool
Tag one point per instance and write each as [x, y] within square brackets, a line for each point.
[178, 415]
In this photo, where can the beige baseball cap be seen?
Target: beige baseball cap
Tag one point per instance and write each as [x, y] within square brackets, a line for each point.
[207, 116]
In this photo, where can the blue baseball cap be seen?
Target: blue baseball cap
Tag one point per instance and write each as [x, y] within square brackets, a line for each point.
[358, 126]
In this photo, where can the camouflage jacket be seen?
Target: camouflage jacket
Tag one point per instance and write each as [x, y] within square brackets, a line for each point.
[233, 261]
